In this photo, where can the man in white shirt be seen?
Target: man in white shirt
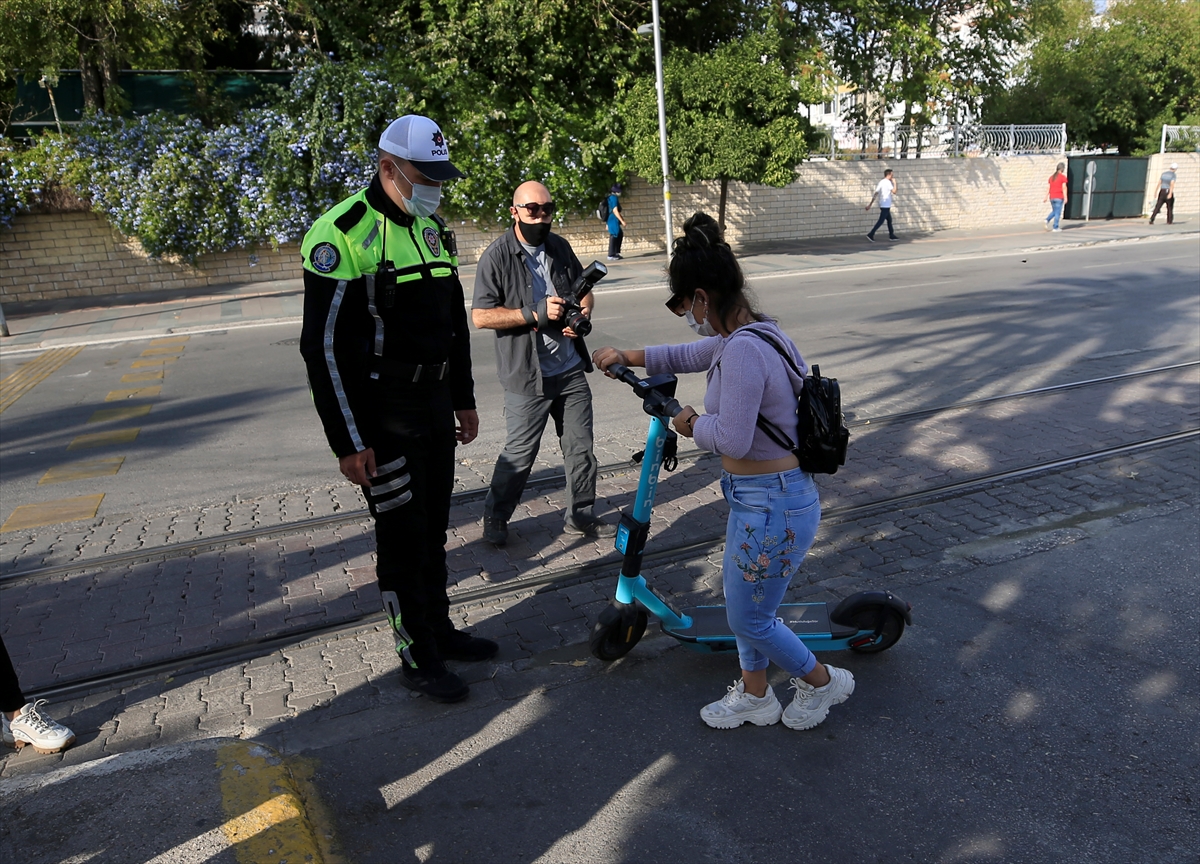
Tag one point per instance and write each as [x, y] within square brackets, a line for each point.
[884, 191]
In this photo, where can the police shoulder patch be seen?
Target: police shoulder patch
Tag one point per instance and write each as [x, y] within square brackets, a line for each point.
[433, 240]
[324, 257]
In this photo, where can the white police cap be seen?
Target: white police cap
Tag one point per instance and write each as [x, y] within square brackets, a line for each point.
[419, 140]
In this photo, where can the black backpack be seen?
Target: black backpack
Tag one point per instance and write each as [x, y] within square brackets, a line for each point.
[820, 424]
[602, 211]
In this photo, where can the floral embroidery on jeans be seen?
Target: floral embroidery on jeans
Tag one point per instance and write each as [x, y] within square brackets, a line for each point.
[760, 554]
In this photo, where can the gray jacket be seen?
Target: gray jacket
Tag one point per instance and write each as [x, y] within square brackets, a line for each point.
[502, 279]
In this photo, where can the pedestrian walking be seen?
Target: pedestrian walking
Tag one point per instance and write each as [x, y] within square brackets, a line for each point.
[1056, 195]
[519, 283]
[1166, 194]
[616, 223]
[774, 508]
[884, 190]
[26, 724]
[388, 352]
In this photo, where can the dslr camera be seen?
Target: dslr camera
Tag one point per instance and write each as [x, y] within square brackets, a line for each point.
[573, 316]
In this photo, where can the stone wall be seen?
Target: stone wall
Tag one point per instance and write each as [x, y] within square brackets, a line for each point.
[48, 256]
[1187, 182]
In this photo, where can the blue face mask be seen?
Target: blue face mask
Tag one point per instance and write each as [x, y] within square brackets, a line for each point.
[702, 328]
[425, 199]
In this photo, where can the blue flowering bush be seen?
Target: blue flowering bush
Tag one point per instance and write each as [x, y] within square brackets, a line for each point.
[184, 189]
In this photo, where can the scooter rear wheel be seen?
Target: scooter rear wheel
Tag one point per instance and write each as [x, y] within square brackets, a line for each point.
[891, 628]
[617, 631]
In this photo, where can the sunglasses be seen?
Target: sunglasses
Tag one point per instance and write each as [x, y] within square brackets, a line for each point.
[536, 210]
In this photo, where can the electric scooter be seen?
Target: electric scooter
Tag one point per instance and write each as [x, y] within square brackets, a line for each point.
[866, 622]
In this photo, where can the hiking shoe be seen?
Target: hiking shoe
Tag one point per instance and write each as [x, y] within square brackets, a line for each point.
[439, 685]
[458, 645]
[37, 729]
[495, 531]
[595, 529]
[738, 707]
[811, 704]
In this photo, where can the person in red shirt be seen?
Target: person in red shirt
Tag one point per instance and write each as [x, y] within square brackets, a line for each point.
[1056, 195]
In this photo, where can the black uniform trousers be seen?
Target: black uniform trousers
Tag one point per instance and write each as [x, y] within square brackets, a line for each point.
[11, 697]
[412, 433]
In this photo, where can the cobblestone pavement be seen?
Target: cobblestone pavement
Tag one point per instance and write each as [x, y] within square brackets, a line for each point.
[346, 672]
[114, 617]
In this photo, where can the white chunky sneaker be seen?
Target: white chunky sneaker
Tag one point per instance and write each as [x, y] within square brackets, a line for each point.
[811, 704]
[738, 707]
[38, 730]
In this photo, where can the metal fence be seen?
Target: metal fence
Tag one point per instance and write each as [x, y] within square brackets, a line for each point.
[1180, 139]
[936, 142]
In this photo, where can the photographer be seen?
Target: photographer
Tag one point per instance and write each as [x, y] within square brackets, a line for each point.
[520, 285]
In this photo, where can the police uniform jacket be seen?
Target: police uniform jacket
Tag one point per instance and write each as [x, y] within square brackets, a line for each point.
[359, 328]
[503, 280]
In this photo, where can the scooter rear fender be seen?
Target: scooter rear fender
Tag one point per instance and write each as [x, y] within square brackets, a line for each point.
[845, 611]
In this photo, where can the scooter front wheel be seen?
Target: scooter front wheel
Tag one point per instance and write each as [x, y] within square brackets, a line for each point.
[617, 631]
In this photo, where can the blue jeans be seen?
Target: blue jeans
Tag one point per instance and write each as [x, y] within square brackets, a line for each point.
[773, 519]
[1056, 205]
[885, 215]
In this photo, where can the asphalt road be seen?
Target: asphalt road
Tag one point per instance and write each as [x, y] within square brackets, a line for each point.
[234, 420]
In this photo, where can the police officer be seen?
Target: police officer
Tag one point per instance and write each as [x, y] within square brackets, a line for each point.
[387, 348]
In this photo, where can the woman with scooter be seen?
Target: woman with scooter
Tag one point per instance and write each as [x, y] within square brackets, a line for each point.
[774, 506]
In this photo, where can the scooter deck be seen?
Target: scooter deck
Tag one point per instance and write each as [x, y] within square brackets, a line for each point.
[807, 620]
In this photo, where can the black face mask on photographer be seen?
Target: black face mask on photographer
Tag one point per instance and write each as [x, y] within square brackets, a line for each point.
[534, 233]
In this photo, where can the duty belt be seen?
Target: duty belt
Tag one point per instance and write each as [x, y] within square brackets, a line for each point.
[414, 372]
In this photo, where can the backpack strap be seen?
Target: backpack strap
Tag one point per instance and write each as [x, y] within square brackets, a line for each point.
[770, 429]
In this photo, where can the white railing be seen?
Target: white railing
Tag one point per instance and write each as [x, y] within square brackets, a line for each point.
[1180, 139]
[932, 142]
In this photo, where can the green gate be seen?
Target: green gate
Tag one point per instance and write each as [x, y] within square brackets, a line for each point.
[1118, 189]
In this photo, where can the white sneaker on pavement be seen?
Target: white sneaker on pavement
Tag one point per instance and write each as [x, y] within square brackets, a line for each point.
[38, 730]
[738, 707]
[811, 704]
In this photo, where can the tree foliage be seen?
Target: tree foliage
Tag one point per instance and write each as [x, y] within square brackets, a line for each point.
[1113, 79]
[732, 114]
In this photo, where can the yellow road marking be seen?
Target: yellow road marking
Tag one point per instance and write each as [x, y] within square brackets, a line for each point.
[53, 512]
[103, 439]
[133, 393]
[142, 364]
[16, 385]
[169, 340]
[266, 818]
[125, 412]
[135, 377]
[82, 470]
[154, 352]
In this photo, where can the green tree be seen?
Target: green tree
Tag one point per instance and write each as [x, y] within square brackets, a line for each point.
[732, 114]
[1113, 79]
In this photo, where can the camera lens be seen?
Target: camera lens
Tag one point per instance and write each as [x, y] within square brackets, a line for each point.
[580, 324]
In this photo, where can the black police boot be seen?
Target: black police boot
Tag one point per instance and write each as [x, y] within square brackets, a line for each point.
[437, 682]
[457, 645]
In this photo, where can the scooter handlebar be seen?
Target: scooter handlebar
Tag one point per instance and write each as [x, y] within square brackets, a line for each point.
[653, 403]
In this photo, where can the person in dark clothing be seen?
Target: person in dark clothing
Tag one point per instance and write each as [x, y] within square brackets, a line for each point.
[1166, 194]
[387, 348]
[519, 283]
[616, 223]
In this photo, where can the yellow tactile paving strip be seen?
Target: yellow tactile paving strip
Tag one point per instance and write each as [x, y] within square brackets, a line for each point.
[82, 470]
[53, 512]
[125, 412]
[16, 385]
[103, 439]
[160, 352]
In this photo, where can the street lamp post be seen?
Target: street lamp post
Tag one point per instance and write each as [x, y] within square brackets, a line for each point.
[662, 121]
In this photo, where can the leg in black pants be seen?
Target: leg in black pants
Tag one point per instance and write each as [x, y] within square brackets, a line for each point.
[614, 243]
[11, 698]
[885, 215]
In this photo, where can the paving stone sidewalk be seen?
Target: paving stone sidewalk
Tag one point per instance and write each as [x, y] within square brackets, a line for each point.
[110, 618]
[340, 677]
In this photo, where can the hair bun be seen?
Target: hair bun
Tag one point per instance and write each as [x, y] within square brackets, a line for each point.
[699, 232]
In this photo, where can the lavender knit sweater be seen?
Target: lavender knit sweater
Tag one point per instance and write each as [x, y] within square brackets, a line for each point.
[746, 377]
